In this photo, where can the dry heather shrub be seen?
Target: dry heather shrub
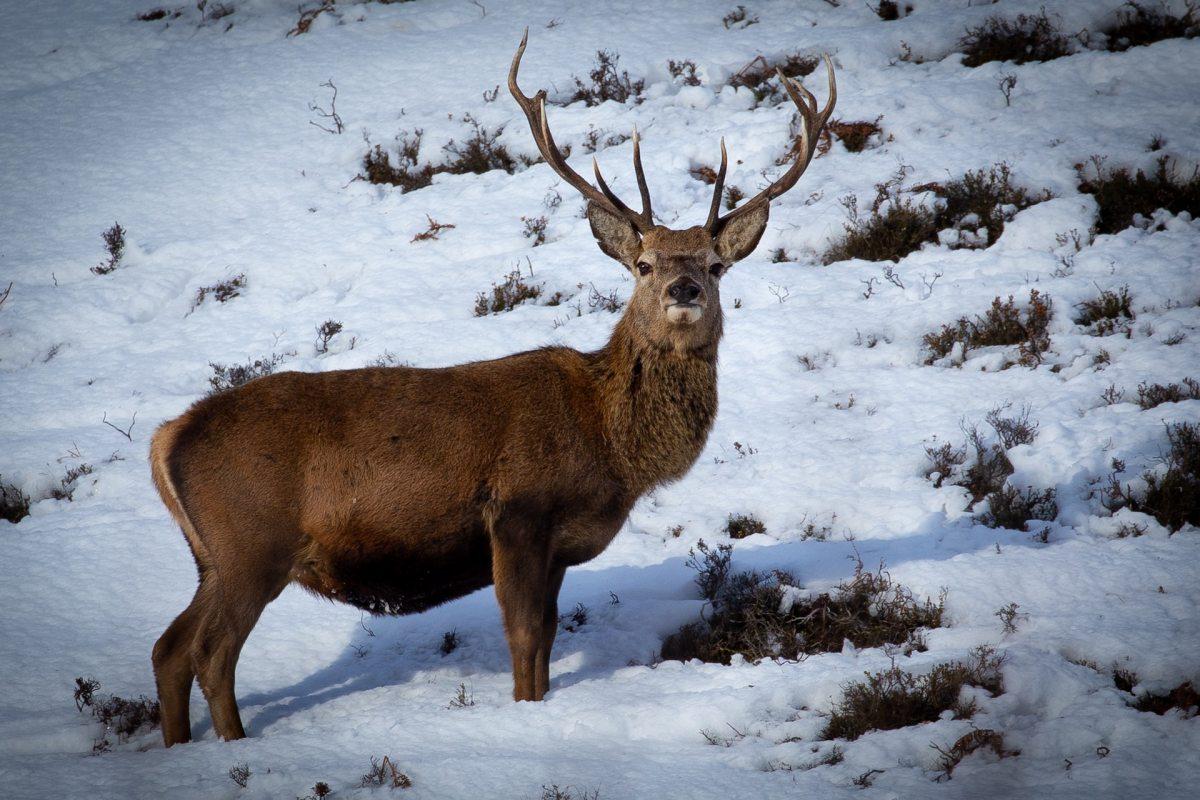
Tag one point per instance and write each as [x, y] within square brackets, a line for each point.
[761, 615]
[231, 376]
[1155, 394]
[221, 291]
[739, 526]
[506, 295]
[1172, 497]
[1140, 24]
[1122, 195]
[979, 739]
[607, 83]
[854, 135]
[117, 714]
[1004, 324]
[114, 245]
[759, 75]
[896, 699]
[1183, 697]
[683, 71]
[408, 174]
[977, 205]
[385, 773]
[1104, 312]
[889, 10]
[1012, 508]
[1028, 37]
[14, 504]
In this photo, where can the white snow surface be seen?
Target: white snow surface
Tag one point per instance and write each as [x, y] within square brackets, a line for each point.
[196, 138]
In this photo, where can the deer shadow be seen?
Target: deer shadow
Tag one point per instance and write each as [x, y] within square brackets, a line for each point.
[642, 604]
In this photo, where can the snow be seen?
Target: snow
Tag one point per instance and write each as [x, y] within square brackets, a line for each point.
[197, 140]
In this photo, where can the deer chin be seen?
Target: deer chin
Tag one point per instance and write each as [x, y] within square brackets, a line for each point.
[684, 313]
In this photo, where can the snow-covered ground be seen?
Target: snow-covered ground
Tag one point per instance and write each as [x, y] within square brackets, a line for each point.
[196, 138]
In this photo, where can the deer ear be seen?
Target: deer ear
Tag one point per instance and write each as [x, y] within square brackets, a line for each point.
[615, 235]
[740, 236]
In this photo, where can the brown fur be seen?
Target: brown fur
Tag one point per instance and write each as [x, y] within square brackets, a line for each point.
[395, 489]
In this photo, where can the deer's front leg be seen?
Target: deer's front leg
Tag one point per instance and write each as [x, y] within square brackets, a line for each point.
[541, 683]
[520, 570]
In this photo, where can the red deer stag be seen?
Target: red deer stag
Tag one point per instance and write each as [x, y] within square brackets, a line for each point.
[396, 489]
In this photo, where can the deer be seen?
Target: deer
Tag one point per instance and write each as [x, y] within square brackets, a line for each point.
[396, 489]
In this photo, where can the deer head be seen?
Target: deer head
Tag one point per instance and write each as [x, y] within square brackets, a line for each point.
[676, 300]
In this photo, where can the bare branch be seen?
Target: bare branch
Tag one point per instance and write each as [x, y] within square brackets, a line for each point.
[126, 432]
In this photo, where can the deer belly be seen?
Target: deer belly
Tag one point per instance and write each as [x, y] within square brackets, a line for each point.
[398, 579]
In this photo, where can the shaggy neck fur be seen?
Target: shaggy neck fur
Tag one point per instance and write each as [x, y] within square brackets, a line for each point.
[658, 402]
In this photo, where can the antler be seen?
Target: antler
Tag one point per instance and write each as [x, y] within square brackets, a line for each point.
[535, 111]
[811, 123]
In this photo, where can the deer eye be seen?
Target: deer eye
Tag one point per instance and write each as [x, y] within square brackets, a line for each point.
[717, 269]
[644, 268]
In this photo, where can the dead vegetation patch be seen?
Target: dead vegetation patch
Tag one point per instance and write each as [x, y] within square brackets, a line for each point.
[221, 291]
[855, 135]
[385, 773]
[758, 75]
[479, 152]
[1172, 493]
[231, 376]
[970, 211]
[895, 698]
[506, 295]
[114, 245]
[1183, 697]
[433, 231]
[1125, 196]
[606, 83]
[982, 467]
[1024, 38]
[1139, 24]
[684, 71]
[1013, 508]
[14, 504]
[965, 745]
[1003, 324]
[889, 10]
[767, 615]
[1155, 394]
[118, 715]
[739, 526]
[739, 17]
[1107, 312]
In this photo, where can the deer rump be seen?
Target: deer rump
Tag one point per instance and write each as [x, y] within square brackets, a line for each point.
[381, 488]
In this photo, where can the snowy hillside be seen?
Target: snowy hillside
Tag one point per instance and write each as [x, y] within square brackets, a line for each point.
[245, 227]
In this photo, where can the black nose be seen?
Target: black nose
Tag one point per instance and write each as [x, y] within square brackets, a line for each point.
[684, 290]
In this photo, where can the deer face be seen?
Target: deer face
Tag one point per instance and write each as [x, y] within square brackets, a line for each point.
[677, 295]
[676, 300]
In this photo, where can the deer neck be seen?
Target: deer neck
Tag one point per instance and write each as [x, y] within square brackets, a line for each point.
[657, 404]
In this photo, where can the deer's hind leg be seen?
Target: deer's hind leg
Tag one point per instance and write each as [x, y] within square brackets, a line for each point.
[234, 598]
[174, 674]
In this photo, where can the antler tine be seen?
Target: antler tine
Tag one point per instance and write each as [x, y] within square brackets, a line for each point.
[714, 210]
[643, 189]
[811, 124]
[535, 112]
[609, 193]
